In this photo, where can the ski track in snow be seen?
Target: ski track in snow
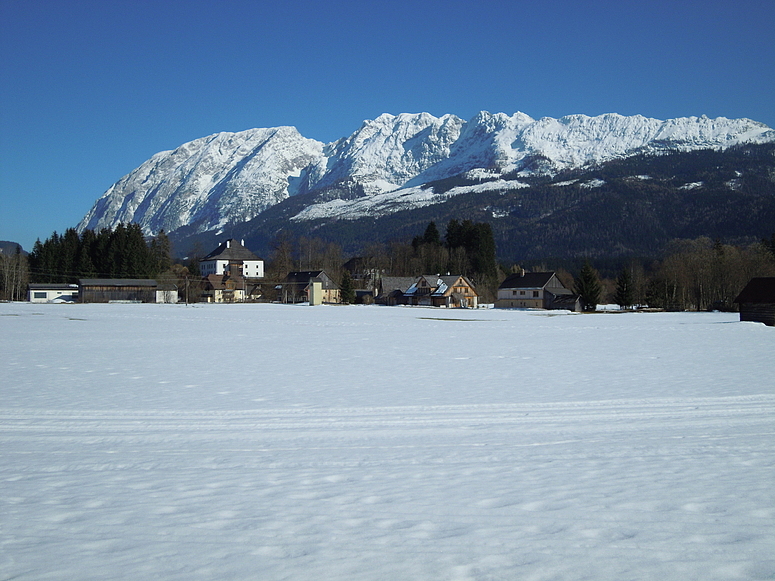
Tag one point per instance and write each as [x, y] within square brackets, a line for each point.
[350, 443]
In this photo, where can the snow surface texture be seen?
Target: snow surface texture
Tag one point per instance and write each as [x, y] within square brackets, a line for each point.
[367, 443]
[232, 177]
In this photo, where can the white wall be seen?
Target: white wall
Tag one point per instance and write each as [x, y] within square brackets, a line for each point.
[508, 294]
[250, 268]
[49, 295]
[170, 296]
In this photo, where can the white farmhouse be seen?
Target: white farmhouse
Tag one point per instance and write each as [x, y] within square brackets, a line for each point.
[232, 258]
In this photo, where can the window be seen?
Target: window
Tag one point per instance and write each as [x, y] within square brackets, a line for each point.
[535, 293]
[521, 292]
[39, 295]
[513, 293]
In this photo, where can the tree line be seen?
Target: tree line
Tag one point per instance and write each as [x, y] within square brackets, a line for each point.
[122, 252]
[466, 248]
[696, 274]
[699, 274]
[14, 275]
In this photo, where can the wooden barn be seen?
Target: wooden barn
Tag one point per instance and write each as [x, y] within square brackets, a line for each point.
[124, 290]
[757, 301]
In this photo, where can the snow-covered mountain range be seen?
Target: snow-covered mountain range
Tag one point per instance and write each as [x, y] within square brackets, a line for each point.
[230, 178]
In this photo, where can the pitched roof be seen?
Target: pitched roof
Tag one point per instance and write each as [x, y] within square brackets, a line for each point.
[230, 250]
[218, 281]
[117, 282]
[444, 283]
[527, 280]
[51, 286]
[401, 283]
[565, 301]
[758, 290]
[439, 284]
[304, 277]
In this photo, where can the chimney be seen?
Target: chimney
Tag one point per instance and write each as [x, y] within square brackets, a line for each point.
[243, 242]
[521, 272]
[228, 243]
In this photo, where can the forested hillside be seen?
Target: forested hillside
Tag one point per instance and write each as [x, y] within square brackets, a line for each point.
[629, 207]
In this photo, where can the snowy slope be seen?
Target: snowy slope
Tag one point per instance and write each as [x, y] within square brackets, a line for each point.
[391, 150]
[220, 179]
[298, 443]
[232, 177]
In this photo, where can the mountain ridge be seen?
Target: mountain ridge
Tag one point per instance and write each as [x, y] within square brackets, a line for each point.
[226, 179]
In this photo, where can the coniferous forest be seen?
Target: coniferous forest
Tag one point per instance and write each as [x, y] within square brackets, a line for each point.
[122, 252]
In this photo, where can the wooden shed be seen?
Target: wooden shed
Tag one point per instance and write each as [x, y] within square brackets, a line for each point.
[757, 301]
[124, 290]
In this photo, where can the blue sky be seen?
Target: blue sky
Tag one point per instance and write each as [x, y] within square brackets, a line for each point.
[90, 89]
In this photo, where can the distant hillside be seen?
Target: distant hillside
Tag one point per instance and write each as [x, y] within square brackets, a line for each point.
[8, 247]
[631, 206]
[396, 170]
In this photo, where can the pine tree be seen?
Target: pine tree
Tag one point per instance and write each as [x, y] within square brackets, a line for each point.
[346, 289]
[454, 236]
[478, 242]
[624, 290]
[70, 246]
[587, 286]
[160, 251]
[482, 252]
[431, 235]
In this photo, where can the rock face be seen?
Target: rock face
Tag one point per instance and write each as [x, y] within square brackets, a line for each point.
[230, 178]
[209, 182]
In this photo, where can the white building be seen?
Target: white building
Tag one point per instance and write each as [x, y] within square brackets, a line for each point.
[50, 293]
[231, 257]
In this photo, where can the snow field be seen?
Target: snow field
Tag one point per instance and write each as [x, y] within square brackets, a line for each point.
[350, 443]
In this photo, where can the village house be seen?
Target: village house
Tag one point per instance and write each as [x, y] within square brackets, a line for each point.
[52, 293]
[297, 285]
[757, 301]
[441, 291]
[536, 290]
[224, 288]
[231, 273]
[231, 257]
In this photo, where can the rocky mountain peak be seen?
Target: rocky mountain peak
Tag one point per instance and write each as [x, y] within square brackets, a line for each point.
[230, 178]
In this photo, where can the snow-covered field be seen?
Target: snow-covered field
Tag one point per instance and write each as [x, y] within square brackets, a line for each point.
[364, 443]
